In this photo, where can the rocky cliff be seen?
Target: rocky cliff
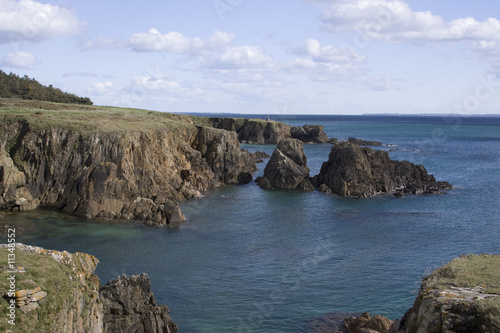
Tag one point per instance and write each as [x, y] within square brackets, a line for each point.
[140, 166]
[364, 172]
[71, 299]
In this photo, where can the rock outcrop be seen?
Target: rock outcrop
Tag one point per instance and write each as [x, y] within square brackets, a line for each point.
[461, 296]
[287, 169]
[263, 132]
[367, 324]
[309, 133]
[364, 172]
[71, 303]
[65, 296]
[130, 306]
[131, 174]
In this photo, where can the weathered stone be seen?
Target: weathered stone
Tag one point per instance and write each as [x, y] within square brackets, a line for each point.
[367, 324]
[262, 132]
[309, 133]
[364, 172]
[130, 306]
[104, 174]
[287, 167]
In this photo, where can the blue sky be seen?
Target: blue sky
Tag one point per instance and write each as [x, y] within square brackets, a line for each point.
[255, 56]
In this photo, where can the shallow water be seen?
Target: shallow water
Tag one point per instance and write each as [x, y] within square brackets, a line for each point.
[252, 260]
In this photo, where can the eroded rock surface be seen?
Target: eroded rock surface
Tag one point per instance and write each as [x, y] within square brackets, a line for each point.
[363, 172]
[287, 168]
[124, 175]
[130, 306]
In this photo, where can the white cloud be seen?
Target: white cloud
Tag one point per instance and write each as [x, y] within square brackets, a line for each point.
[102, 88]
[240, 57]
[103, 43]
[91, 73]
[19, 59]
[395, 21]
[312, 47]
[176, 42]
[28, 20]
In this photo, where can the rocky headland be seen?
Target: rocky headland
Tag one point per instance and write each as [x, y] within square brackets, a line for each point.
[57, 291]
[113, 163]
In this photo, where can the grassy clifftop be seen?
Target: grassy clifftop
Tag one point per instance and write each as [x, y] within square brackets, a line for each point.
[89, 118]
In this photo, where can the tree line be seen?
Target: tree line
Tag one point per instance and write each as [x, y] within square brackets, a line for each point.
[12, 85]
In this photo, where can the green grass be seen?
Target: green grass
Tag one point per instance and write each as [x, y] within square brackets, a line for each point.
[41, 271]
[471, 271]
[89, 118]
[468, 271]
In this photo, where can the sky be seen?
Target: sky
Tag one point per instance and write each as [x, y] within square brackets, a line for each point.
[262, 57]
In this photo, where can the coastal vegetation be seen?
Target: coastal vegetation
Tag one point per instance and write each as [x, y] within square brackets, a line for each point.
[12, 85]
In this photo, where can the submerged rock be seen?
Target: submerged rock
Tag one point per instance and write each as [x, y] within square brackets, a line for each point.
[364, 172]
[287, 168]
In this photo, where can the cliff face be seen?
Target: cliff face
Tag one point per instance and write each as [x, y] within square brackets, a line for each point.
[141, 174]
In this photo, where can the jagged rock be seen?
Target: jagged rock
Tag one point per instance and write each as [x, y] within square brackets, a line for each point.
[130, 306]
[325, 189]
[262, 132]
[287, 167]
[141, 174]
[309, 133]
[362, 142]
[364, 172]
[348, 172]
[367, 324]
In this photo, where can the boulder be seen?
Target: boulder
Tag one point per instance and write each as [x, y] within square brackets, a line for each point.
[367, 324]
[287, 168]
[130, 306]
[309, 133]
[364, 172]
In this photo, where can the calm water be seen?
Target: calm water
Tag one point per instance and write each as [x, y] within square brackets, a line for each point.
[251, 260]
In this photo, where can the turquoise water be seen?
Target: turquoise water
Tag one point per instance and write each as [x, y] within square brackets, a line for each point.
[250, 260]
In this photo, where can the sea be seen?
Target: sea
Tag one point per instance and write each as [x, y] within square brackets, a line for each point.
[254, 260]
